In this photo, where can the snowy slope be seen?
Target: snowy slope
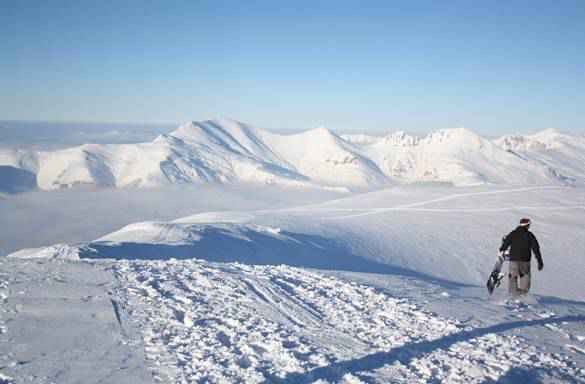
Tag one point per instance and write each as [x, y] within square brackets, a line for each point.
[317, 155]
[456, 156]
[226, 151]
[281, 324]
[194, 321]
[323, 156]
[561, 152]
[232, 296]
[210, 151]
[57, 325]
[360, 138]
[17, 171]
[185, 158]
[19, 159]
[429, 232]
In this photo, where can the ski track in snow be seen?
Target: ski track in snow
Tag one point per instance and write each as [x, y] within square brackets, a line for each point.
[204, 322]
[414, 207]
[373, 211]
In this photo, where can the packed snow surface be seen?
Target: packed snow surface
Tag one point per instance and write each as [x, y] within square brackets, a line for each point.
[227, 151]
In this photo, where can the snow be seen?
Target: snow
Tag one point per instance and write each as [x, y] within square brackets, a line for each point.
[244, 286]
[252, 324]
[430, 232]
[60, 326]
[360, 139]
[563, 153]
[327, 158]
[456, 156]
[18, 159]
[228, 151]
[17, 171]
[57, 251]
[183, 321]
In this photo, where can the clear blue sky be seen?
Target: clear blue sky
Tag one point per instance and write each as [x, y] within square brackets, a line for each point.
[492, 66]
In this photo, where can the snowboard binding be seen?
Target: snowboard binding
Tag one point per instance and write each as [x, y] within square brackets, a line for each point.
[494, 281]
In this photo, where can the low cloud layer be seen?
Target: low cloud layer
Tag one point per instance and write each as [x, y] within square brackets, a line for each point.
[43, 218]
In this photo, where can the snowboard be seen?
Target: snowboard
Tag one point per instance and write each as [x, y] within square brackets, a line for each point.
[496, 276]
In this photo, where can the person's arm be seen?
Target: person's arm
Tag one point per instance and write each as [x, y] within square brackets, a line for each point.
[506, 242]
[536, 249]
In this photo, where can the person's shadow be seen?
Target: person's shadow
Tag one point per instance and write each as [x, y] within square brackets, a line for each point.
[406, 353]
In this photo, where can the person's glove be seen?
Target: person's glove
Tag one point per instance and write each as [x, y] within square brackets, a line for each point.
[540, 265]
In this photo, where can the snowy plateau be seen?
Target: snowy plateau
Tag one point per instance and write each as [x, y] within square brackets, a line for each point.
[382, 280]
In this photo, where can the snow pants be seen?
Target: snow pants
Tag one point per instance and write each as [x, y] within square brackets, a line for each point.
[519, 278]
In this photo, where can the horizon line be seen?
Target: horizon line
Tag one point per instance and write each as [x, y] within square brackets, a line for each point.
[385, 132]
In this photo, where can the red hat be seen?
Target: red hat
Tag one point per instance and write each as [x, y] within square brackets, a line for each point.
[524, 222]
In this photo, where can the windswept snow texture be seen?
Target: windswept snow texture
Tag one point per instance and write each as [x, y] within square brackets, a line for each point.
[226, 151]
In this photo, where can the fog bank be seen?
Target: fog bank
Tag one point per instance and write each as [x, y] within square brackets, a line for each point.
[43, 218]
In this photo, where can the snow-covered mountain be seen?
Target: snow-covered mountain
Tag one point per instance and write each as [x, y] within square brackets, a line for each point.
[17, 171]
[561, 152]
[226, 151]
[456, 156]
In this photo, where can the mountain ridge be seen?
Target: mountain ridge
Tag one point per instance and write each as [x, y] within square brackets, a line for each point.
[227, 151]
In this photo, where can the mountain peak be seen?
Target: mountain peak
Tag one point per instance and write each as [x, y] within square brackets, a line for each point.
[401, 138]
[213, 128]
[321, 130]
[543, 140]
[320, 133]
[547, 136]
[462, 137]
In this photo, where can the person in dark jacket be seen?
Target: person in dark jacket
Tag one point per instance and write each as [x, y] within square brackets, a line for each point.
[522, 244]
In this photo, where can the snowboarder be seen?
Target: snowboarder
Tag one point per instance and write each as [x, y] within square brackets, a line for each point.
[522, 244]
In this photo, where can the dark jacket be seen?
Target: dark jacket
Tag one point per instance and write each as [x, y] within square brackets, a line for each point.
[521, 243]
